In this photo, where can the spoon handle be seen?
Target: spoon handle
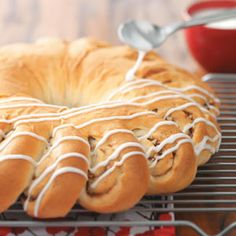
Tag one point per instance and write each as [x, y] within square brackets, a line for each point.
[202, 20]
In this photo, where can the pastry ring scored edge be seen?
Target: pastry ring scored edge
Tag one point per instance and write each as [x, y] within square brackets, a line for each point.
[130, 138]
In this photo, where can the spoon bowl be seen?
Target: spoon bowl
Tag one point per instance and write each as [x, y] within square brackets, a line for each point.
[141, 35]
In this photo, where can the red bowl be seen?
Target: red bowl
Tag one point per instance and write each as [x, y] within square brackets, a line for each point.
[214, 49]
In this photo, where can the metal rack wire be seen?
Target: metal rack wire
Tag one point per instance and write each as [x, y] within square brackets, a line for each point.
[214, 189]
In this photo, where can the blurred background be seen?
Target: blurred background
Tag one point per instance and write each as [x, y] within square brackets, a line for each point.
[28, 20]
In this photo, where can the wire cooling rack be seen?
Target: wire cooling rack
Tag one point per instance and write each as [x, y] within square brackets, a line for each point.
[213, 191]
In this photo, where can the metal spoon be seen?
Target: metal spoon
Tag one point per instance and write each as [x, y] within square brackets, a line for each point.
[145, 36]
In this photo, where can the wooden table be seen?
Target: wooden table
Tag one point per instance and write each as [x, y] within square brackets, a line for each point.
[27, 20]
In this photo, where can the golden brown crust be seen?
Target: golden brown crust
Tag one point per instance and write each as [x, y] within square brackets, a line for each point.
[177, 170]
[97, 139]
[16, 174]
[179, 175]
[132, 178]
[64, 189]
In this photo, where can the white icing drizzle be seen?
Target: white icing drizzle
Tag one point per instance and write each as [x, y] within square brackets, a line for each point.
[135, 99]
[35, 115]
[62, 116]
[68, 113]
[172, 138]
[9, 134]
[58, 115]
[36, 120]
[18, 134]
[110, 133]
[116, 117]
[170, 150]
[59, 141]
[131, 73]
[27, 118]
[50, 169]
[109, 106]
[169, 92]
[95, 106]
[200, 89]
[186, 105]
[115, 154]
[118, 150]
[156, 99]
[17, 157]
[129, 117]
[199, 96]
[209, 148]
[134, 82]
[178, 94]
[200, 119]
[30, 105]
[106, 106]
[216, 110]
[116, 164]
[16, 99]
[58, 172]
[122, 87]
[155, 127]
[148, 82]
[61, 127]
[54, 165]
[91, 105]
[203, 144]
[102, 119]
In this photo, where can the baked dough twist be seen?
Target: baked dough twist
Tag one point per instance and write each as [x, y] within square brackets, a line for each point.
[122, 139]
